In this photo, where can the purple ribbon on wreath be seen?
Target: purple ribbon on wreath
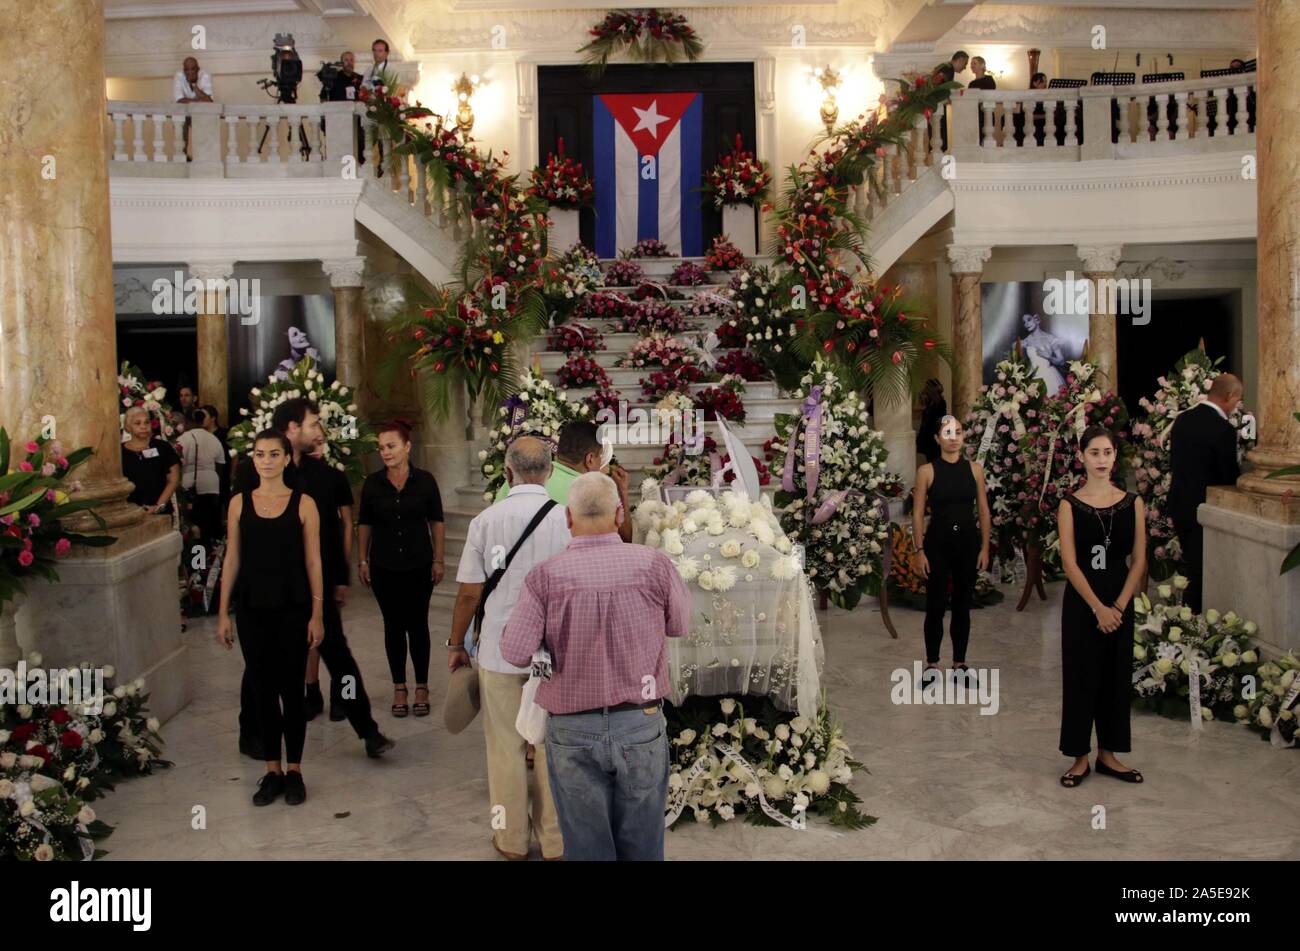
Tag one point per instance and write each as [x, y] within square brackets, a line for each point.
[810, 420]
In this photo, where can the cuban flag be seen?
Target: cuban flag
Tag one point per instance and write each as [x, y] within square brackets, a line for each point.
[647, 164]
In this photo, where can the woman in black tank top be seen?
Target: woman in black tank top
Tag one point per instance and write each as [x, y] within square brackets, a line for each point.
[1103, 551]
[274, 552]
[955, 546]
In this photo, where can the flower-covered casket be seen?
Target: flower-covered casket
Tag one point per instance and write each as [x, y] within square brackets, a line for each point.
[753, 628]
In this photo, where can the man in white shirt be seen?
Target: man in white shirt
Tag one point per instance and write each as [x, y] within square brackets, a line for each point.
[519, 788]
[201, 455]
[372, 78]
[191, 84]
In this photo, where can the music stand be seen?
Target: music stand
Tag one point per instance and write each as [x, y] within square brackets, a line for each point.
[1162, 77]
[1113, 79]
[1066, 83]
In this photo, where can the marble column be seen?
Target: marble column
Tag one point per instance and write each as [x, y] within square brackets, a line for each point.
[214, 363]
[58, 360]
[1099, 263]
[917, 278]
[1249, 528]
[966, 263]
[58, 356]
[345, 276]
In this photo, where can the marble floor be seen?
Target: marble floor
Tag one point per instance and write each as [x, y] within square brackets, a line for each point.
[945, 781]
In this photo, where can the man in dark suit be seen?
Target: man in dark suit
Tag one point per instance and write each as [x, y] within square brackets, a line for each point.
[1202, 453]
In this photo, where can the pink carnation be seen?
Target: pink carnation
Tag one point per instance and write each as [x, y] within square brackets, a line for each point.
[62, 547]
[32, 447]
[25, 466]
[33, 519]
[25, 558]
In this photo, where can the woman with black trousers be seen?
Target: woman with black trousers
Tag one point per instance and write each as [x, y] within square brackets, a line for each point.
[1104, 553]
[273, 537]
[955, 546]
[402, 540]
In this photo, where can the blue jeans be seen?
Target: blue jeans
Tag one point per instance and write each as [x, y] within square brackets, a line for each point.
[609, 780]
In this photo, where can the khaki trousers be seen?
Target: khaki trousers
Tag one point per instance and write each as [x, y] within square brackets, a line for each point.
[520, 792]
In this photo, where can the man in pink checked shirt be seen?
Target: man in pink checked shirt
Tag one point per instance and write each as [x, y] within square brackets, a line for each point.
[602, 609]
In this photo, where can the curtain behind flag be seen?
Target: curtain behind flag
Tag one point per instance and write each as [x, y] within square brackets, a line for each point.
[647, 167]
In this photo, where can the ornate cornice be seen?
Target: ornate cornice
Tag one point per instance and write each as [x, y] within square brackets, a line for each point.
[435, 30]
[1125, 28]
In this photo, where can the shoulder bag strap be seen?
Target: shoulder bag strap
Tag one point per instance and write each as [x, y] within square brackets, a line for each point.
[495, 578]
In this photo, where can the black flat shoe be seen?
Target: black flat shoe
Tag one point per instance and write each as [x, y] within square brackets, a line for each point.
[295, 791]
[1070, 780]
[972, 678]
[1127, 775]
[377, 745]
[269, 789]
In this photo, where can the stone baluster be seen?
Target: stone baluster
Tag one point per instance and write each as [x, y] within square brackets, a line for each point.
[119, 144]
[986, 125]
[178, 138]
[137, 125]
[1239, 114]
[232, 140]
[1162, 116]
[159, 146]
[273, 139]
[1184, 117]
[936, 134]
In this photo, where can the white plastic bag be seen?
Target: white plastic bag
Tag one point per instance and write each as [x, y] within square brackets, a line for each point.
[531, 721]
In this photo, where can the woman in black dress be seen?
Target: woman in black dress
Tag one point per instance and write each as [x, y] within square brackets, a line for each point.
[1104, 551]
[954, 546]
[150, 463]
[274, 542]
[400, 533]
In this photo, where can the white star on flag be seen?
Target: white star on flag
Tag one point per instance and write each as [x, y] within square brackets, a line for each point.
[649, 119]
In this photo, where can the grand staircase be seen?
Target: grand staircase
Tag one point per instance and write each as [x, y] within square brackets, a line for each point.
[763, 401]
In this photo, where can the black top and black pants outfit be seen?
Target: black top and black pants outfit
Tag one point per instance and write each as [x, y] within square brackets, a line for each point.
[401, 563]
[1097, 668]
[148, 469]
[1202, 453]
[274, 608]
[952, 547]
[316, 479]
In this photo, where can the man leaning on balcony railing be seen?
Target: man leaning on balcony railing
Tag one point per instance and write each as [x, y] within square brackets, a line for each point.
[191, 84]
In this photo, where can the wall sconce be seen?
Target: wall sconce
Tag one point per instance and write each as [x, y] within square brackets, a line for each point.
[830, 81]
[464, 89]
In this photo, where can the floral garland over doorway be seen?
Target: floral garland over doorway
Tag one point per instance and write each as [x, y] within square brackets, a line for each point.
[645, 36]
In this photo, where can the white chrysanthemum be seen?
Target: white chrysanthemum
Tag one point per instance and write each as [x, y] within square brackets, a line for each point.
[785, 568]
[688, 568]
[716, 525]
[763, 532]
[672, 542]
[699, 497]
[653, 539]
[724, 578]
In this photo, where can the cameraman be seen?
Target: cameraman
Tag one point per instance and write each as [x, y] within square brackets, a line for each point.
[374, 78]
[345, 82]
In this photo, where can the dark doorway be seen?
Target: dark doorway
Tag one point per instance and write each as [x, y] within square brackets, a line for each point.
[564, 109]
[1178, 324]
[164, 348]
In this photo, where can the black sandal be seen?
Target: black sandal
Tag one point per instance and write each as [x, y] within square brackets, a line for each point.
[421, 708]
[400, 710]
[1127, 775]
[1070, 780]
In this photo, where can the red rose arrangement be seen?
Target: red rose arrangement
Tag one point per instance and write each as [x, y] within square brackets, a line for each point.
[570, 338]
[562, 183]
[720, 402]
[738, 178]
[581, 372]
[724, 256]
[742, 363]
[676, 380]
